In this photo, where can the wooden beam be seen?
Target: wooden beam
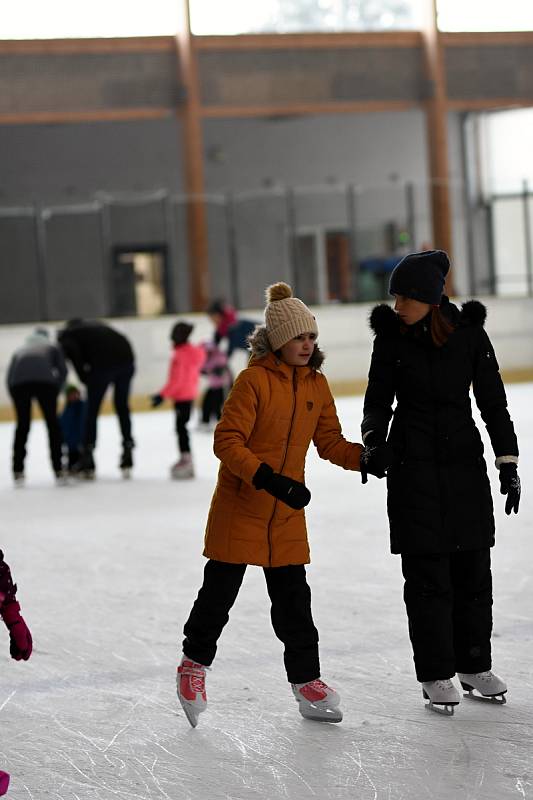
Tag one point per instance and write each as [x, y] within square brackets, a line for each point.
[193, 164]
[489, 103]
[487, 38]
[70, 117]
[296, 41]
[437, 134]
[302, 109]
[136, 44]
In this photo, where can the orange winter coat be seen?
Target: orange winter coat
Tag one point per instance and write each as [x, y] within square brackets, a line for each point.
[272, 414]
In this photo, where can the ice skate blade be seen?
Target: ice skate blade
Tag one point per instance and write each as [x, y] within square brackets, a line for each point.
[441, 708]
[317, 714]
[191, 714]
[498, 699]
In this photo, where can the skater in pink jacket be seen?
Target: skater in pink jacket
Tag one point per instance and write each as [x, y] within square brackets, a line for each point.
[182, 388]
[20, 642]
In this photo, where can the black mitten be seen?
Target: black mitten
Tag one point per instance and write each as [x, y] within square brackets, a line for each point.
[293, 493]
[510, 485]
[156, 400]
[376, 457]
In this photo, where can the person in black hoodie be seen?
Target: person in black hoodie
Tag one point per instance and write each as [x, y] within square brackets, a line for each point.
[426, 355]
[101, 357]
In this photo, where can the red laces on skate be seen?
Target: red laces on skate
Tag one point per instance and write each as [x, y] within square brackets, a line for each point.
[315, 690]
[196, 675]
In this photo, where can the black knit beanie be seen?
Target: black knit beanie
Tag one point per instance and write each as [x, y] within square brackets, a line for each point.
[421, 276]
[181, 332]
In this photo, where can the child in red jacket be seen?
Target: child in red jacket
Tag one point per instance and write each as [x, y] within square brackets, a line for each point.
[182, 388]
[19, 635]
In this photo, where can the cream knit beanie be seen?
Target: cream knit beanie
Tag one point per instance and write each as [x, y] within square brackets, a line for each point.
[286, 316]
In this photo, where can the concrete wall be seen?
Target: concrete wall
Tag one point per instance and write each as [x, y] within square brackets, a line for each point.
[344, 336]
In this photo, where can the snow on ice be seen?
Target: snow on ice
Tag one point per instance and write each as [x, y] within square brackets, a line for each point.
[107, 573]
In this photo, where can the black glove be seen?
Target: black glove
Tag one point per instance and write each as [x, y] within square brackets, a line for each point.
[156, 400]
[376, 457]
[293, 493]
[510, 485]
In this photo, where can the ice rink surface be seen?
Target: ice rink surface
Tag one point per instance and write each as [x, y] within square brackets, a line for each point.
[107, 573]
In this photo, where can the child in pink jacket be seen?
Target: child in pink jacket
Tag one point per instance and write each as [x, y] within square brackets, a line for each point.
[182, 388]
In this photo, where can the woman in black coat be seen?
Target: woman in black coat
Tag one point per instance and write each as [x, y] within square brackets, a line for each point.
[426, 356]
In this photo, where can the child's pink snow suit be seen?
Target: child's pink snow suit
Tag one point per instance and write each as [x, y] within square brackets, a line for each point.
[182, 382]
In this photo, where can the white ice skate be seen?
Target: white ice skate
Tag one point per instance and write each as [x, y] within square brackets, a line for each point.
[442, 696]
[317, 701]
[190, 683]
[18, 478]
[488, 686]
[182, 469]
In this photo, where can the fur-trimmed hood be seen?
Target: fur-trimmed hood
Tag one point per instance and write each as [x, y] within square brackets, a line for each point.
[259, 347]
[384, 320]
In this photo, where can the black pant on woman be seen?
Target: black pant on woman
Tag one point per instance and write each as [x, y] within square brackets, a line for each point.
[183, 415]
[290, 614]
[46, 396]
[449, 606]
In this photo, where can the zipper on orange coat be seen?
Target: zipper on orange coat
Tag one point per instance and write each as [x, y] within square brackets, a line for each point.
[295, 388]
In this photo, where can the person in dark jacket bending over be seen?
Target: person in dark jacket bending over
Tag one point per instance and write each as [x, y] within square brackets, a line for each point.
[427, 353]
[101, 357]
[36, 370]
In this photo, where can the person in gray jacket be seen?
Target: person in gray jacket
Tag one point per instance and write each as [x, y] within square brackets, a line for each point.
[37, 370]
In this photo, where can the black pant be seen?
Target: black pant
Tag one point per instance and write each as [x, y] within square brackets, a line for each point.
[212, 404]
[97, 384]
[290, 614]
[183, 414]
[449, 606]
[46, 396]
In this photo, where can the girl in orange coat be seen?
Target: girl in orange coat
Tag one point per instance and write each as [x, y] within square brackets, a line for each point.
[277, 406]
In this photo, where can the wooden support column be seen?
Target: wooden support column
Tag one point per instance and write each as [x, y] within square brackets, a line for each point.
[437, 133]
[193, 164]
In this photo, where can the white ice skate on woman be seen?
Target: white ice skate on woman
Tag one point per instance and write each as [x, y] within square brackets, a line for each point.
[488, 686]
[317, 701]
[190, 683]
[442, 696]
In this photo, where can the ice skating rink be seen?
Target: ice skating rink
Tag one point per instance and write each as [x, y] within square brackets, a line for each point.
[107, 572]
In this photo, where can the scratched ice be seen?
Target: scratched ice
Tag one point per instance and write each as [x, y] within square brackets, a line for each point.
[107, 573]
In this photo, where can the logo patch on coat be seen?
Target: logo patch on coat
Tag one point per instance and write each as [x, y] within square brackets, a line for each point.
[309, 405]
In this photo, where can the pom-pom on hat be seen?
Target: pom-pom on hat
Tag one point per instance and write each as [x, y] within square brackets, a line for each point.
[286, 316]
[421, 276]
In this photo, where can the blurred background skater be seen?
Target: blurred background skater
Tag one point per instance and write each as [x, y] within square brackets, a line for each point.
[219, 381]
[20, 641]
[36, 370]
[72, 422]
[182, 388]
[232, 331]
[101, 357]
[427, 353]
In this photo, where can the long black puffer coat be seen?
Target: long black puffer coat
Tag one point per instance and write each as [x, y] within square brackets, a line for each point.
[439, 498]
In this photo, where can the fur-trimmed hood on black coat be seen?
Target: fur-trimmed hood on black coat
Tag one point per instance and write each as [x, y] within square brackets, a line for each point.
[439, 498]
[384, 320]
[259, 347]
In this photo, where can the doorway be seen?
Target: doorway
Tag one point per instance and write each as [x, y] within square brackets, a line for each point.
[139, 281]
